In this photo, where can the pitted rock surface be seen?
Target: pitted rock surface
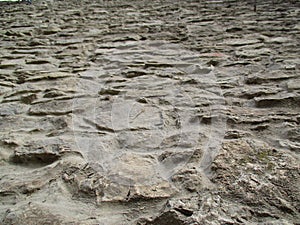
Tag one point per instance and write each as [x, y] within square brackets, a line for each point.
[161, 112]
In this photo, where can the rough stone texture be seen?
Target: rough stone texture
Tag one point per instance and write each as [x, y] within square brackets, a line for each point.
[149, 112]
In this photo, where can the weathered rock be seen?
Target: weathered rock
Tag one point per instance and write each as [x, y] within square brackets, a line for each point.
[253, 53]
[129, 112]
[240, 42]
[49, 76]
[293, 84]
[257, 177]
[289, 100]
[51, 108]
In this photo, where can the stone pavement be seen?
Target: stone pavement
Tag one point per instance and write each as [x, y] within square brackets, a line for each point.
[150, 112]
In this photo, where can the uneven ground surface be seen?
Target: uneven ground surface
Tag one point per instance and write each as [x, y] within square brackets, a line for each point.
[149, 112]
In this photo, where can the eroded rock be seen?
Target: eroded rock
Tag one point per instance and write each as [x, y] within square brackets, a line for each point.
[118, 112]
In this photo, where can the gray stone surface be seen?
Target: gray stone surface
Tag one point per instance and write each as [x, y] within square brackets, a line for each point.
[149, 113]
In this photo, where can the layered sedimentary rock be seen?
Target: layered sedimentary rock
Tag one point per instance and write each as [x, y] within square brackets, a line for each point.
[162, 112]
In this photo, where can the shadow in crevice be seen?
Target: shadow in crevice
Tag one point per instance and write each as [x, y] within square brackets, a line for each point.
[34, 160]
